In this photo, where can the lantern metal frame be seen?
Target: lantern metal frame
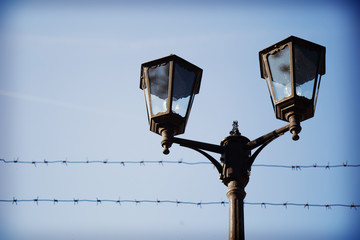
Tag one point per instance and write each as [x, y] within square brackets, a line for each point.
[168, 120]
[303, 107]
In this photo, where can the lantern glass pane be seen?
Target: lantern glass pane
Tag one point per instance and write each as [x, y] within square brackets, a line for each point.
[279, 64]
[317, 90]
[271, 94]
[147, 102]
[159, 88]
[306, 63]
[183, 82]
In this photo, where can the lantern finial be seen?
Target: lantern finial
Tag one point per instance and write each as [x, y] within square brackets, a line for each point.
[235, 129]
[295, 127]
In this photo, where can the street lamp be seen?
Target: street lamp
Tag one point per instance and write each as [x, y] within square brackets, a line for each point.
[169, 85]
[292, 69]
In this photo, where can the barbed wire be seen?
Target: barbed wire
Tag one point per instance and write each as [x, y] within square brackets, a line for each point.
[176, 202]
[162, 162]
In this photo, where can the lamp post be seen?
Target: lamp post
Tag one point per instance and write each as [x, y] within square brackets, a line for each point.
[292, 68]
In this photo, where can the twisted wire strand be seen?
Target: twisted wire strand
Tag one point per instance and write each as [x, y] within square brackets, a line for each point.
[176, 202]
[162, 162]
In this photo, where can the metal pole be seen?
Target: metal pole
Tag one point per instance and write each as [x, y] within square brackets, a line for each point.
[236, 195]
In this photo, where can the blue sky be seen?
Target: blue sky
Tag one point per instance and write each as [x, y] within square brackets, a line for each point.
[69, 89]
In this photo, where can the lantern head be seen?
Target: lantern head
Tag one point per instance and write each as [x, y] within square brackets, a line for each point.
[169, 85]
[293, 68]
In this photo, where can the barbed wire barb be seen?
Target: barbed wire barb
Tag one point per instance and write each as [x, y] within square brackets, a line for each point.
[327, 166]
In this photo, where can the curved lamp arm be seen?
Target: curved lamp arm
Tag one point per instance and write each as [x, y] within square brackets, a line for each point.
[261, 142]
[264, 141]
[197, 146]
[208, 156]
[270, 136]
[201, 145]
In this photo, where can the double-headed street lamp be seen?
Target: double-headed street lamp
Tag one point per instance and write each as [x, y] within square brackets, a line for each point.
[292, 68]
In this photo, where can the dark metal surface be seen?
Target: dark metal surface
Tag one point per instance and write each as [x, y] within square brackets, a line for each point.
[201, 145]
[235, 159]
[261, 140]
[236, 195]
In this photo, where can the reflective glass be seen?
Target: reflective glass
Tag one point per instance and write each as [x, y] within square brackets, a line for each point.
[271, 94]
[305, 89]
[159, 88]
[305, 64]
[317, 90]
[147, 102]
[183, 84]
[279, 64]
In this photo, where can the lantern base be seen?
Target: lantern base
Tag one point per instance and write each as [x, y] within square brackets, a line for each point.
[170, 121]
[302, 107]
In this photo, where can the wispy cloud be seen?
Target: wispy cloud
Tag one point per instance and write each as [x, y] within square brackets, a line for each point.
[42, 100]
